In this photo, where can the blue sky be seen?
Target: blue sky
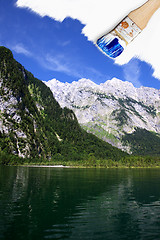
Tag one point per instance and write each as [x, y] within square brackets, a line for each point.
[52, 49]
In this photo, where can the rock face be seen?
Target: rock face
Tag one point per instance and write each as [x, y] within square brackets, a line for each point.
[9, 118]
[112, 109]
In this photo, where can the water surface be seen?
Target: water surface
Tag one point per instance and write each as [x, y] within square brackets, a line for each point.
[62, 203]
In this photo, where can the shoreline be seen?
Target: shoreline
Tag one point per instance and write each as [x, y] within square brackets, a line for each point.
[95, 167]
[51, 166]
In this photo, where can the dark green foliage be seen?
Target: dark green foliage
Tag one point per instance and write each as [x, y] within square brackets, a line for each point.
[52, 132]
[9, 159]
[143, 142]
[127, 103]
[120, 116]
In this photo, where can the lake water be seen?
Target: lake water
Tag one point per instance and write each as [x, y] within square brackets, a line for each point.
[65, 203]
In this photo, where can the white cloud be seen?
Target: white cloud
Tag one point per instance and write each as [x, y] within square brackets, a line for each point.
[60, 63]
[19, 48]
[63, 43]
[132, 72]
[100, 16]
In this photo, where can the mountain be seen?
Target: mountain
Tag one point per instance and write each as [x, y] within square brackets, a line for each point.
[115, 111]
[32, 123]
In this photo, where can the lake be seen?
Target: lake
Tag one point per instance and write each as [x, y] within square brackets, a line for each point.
[69, 203]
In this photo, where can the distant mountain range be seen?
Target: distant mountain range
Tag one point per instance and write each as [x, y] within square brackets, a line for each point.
[115, 111]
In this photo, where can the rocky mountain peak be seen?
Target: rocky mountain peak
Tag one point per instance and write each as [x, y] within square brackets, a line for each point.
[112, 109]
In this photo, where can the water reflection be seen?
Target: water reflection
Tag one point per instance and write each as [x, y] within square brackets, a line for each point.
[43, 203]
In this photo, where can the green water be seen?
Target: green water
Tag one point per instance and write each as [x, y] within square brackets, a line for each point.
[56, 203]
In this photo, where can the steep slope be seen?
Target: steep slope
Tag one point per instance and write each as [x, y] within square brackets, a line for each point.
[112, 109]
[143, 142]
[32, 123]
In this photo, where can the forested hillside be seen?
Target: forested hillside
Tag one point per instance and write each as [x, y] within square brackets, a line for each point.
[33, 125]
[143, 142]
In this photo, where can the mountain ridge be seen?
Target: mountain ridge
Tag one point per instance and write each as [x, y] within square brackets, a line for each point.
[112, 109]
